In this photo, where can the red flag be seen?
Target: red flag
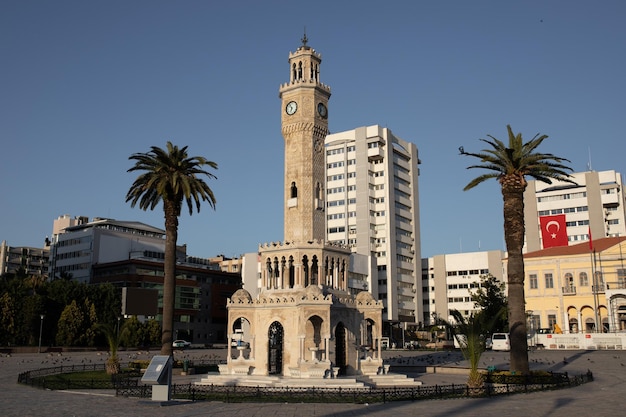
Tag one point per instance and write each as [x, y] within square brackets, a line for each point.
[590, 241]
[553, 231]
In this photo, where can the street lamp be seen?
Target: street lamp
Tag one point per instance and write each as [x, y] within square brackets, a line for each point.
[41, 316]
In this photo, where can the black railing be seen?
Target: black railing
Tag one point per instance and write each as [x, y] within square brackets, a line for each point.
[128, 385]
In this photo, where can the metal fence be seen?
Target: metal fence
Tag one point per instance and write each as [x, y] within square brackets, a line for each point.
[130, 386]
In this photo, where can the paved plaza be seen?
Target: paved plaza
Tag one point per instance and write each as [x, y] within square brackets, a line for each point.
[602, 397]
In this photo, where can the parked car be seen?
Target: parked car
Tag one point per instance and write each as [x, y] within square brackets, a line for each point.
[181, 344]
[500, 341]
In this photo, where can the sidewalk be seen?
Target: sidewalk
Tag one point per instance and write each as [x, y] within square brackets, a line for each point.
[604, 395]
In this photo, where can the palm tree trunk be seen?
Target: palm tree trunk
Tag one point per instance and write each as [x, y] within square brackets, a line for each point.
[169, 278]
[513, 196]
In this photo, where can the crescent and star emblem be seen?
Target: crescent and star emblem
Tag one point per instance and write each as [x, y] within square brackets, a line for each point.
[553, 223]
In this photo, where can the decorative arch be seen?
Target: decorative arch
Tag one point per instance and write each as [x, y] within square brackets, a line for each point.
[292, 272]
[275, 337]
[573, 319]
[305, 269]
[341, 343]
[313, 335]
[588, 320]
[314, 271]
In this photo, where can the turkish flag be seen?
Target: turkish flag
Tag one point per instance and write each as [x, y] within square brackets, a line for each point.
[553, 231]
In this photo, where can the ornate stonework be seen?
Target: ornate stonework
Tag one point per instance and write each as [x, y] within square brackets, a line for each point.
[304, 322]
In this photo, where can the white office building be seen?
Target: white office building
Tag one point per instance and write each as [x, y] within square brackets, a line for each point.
[449, 281]
[372, 207]
[596, 203]
[76, 248]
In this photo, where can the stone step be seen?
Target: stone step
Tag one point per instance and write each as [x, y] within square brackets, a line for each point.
[280, 382]
[389, 380]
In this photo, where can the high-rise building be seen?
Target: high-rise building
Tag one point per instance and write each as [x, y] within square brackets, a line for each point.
[595, 204]
[372, 207]
[32, 261]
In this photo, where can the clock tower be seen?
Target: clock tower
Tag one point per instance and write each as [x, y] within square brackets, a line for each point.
[304, 125]
[303, 321]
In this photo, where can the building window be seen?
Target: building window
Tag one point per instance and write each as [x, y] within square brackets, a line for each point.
[532, 279]
[583, 279]
[549, 280]
[621, 278]
[551, 320]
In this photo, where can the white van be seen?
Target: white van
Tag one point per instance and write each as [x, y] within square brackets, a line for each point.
[500, 341]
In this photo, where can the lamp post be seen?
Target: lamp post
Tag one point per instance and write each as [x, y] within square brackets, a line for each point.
[41, 316]
[117, 332]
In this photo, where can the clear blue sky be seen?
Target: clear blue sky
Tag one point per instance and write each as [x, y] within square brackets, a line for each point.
[85, 84]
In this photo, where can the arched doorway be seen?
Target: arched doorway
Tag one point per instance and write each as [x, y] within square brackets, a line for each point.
[621, 317]
[340, 349]
[275, 336]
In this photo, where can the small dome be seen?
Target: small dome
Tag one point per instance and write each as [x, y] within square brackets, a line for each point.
[313, 290]
[241, 296]
[364, 297]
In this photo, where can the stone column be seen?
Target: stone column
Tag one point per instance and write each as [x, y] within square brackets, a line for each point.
[326, 348]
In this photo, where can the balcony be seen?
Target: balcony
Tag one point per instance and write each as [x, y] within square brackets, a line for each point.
[569, 290]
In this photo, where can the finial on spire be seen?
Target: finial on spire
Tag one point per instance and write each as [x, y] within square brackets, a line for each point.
[304, 38]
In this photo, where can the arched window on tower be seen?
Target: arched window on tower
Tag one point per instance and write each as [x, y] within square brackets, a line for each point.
[294, 73]
[283, 263]
[300, 70]
[305, 269]
[294, 190]
[269, 274]
[276, 276]
[292, 273]
[314, 271]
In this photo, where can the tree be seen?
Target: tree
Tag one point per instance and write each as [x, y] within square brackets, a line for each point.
[113, 336]
[70, 325]
[490, 298]
[468, 332]
[510, 165]
[170, 176]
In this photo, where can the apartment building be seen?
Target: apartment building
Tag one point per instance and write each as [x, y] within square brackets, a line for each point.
[448, 282]
[596, 203]
[372, 207]
[33, 261]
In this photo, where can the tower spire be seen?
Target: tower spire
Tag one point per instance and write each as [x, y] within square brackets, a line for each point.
[304, 38]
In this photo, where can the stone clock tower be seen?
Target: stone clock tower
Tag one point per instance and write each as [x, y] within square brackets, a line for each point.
[304, 124]
[304, 322]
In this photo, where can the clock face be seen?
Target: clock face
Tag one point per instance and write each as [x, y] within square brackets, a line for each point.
[322, 110]
[291, 107]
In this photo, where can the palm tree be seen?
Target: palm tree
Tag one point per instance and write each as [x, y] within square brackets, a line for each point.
[510, 165]
[470, 335]
[113, 337]
[170, 176]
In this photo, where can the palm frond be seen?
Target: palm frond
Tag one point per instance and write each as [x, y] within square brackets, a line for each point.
[518, 159]
[170, 175]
